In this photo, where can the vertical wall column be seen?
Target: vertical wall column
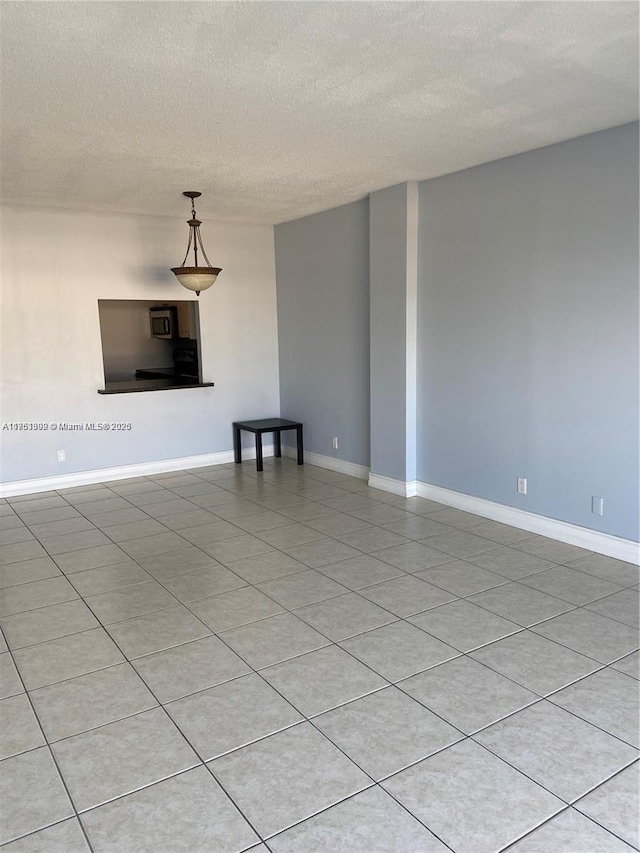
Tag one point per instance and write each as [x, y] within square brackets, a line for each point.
[393, 283]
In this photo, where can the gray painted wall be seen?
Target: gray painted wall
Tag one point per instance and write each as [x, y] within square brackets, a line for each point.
[322, 272]
[528, 330]
[388, 282]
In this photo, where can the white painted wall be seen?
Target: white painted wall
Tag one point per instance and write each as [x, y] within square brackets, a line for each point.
[55, 265]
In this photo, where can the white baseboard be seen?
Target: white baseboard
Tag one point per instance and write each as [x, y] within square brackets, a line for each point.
[572, 534]
[583, 537]
[351, 469]
[395, 487]
[123, 472]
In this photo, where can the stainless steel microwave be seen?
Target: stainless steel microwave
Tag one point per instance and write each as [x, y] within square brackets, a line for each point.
[163, 323]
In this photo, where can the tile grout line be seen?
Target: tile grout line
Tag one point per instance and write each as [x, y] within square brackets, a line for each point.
[290, 611]
[193, 747]
[331, 643]
[310, 720]
[164, 778]
[55, 764]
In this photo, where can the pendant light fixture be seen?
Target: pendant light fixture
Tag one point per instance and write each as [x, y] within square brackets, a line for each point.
[196, 277]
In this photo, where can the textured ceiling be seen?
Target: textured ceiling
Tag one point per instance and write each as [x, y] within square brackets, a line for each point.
[277, 110]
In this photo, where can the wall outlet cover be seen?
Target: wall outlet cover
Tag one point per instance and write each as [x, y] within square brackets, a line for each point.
[522, 485]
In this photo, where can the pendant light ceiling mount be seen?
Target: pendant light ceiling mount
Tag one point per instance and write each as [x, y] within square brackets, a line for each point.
[197, 277]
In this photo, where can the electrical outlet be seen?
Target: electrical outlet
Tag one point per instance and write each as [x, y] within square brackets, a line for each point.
[597, 505]
[334, 442]
[522, 485]
[62, 456]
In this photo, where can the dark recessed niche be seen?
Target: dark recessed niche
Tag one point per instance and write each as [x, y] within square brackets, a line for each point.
[149, 345]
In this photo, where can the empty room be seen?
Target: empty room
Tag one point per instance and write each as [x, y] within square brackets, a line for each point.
[319, 427]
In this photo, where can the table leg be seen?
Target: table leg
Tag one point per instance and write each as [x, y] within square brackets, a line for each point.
[300, 445]
[277, 444]
[259, 451]
[237, 444]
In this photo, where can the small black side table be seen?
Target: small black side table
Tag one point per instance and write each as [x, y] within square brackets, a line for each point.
[274, 425]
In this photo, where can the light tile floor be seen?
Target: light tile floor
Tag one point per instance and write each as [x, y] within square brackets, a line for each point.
[219, 660]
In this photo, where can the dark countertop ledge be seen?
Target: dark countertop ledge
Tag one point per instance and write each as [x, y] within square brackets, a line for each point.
[132, 386]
